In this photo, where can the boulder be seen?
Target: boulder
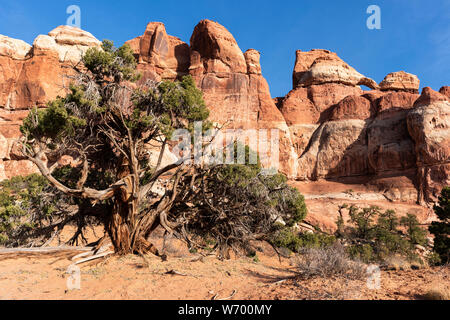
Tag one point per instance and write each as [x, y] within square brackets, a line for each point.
[13, 48]
[323, 66]
[400, 81]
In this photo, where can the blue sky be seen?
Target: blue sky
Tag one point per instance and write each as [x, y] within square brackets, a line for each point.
[415, 34]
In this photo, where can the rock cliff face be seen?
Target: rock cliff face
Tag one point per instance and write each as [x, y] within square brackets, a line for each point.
[234, 89]
[389, 139]
[343, 133]
[233, 86]
[30, 76]
[429, 126]
[160, 56]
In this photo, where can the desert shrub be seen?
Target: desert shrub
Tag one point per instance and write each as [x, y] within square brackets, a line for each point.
[287, 237]
[415, 234]
[32, 212]
[374, 236]
[329, 261]
[440, 293]
[441, 229]
[434, 259]
[361, 252]
[28, 209]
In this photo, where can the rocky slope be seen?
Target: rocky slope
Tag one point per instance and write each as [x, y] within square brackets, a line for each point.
[390, 140]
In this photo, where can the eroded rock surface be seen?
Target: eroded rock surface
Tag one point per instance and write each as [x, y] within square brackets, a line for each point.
[389, 138]
[30, 76]
[400, 81]
[429, 126]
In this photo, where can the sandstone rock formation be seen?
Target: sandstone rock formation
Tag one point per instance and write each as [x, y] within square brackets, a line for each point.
[429, 125]
[390, 139]
[320, 81]
[160, 56]
[400, 81]
[342, 133]
[233, 86]
[31, 76]
[323, 66]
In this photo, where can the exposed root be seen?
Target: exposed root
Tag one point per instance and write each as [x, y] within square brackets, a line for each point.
[173, 272]
[227, 298]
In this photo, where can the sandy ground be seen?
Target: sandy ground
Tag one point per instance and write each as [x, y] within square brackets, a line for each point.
[191, 276]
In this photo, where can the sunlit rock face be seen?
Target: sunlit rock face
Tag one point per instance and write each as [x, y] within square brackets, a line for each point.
[429, 126]
[31, 76]
[235, 90]
[330, 129]
[159, 55]
[400, 81]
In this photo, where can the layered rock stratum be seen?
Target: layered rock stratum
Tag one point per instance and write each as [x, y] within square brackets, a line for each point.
[387, 140]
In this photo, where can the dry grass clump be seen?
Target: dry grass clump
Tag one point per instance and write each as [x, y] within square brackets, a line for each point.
[397, 262]
[437, 292]
[327, 262]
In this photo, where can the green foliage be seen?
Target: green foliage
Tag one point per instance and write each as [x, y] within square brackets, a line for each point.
[17, 196]
[108, 134]
[362, 252]
[237, 203]
[376, 235]
[111, 62]
[363, 220]
[434, 259]
[441, 229]
[168, 103]
[287, 237]
[290, 201]
[56, 121]
[241, 175]
[416, 235]
[283, 198]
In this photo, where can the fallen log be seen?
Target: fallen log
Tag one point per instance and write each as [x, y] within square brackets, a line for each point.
[43, 250]
[98, 256]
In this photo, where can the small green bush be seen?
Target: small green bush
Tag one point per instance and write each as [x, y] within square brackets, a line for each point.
[26, 207]
[295, 241]
[373, 236]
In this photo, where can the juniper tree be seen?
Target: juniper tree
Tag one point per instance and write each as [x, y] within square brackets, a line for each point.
[107, 128]
[441, 229]
[112, 130]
